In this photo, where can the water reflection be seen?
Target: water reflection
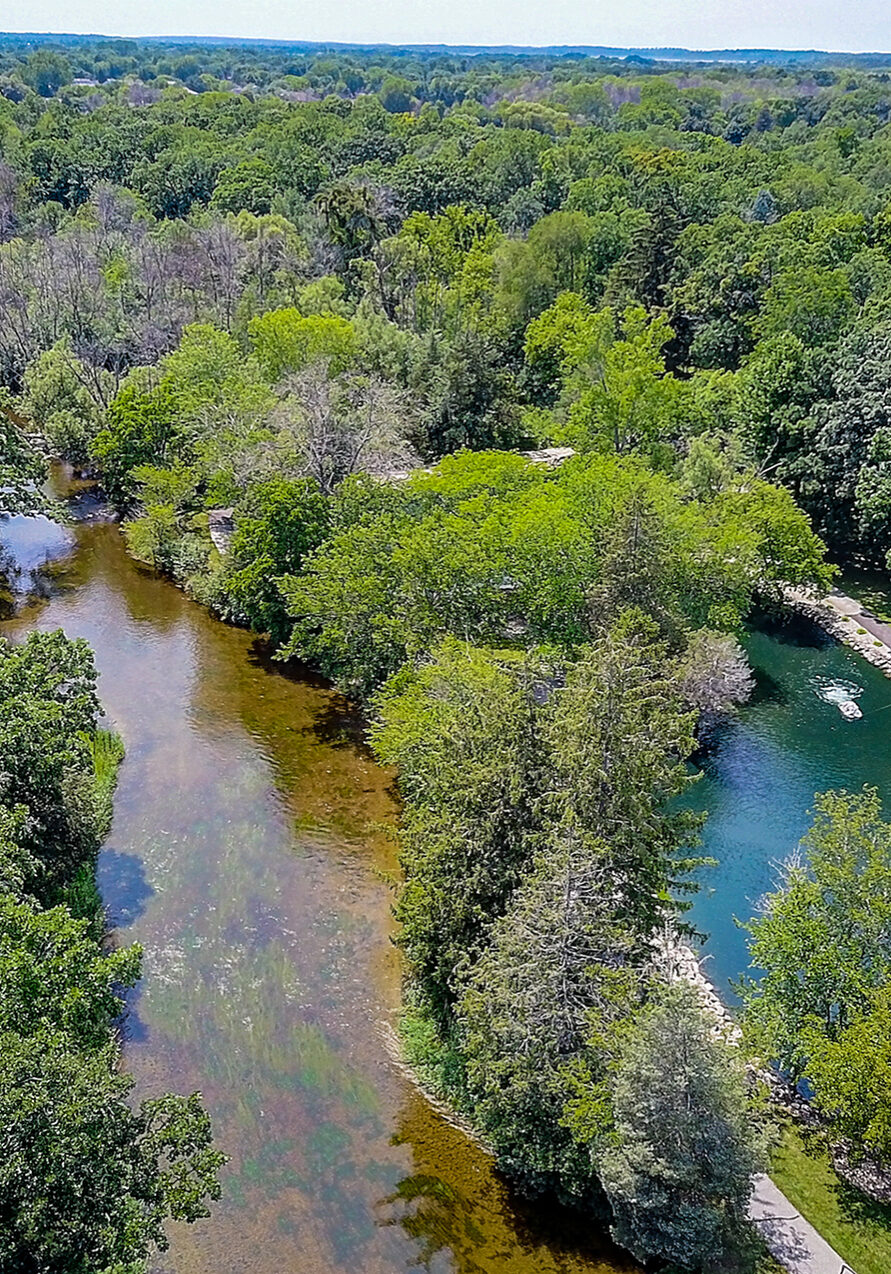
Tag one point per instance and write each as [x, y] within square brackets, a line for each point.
[27, 547]
[123, 885]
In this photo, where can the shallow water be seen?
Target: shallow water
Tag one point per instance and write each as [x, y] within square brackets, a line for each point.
[249, 855]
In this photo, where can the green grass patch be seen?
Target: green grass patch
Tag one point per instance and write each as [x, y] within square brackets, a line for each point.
[81, 893]
[858, 1228]
[108, 753]
[81, 896]
[436, 1062]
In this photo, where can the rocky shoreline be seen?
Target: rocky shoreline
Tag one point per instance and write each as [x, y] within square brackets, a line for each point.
[682, 962]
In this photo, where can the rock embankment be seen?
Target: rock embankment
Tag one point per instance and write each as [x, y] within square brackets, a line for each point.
[849, 621]
[681, 961]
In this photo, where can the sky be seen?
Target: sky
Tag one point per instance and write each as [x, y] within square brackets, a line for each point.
[838, 25]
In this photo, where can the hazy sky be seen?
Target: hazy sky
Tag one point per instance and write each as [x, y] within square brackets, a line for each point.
[854, 25]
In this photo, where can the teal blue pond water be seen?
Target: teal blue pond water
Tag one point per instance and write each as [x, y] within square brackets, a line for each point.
[760, 775]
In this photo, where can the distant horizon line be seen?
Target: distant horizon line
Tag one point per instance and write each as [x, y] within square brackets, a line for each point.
[651, 52]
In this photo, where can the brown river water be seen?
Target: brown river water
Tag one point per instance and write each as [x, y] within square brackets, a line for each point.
[251, 855]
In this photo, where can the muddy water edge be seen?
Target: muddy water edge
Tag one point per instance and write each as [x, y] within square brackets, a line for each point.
[250, 855]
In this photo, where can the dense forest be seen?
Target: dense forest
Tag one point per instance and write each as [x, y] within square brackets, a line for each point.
[301, 312]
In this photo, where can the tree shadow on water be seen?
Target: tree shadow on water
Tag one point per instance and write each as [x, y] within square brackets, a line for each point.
[340, 726]
[262, 655]
[462, 1215]
[123, 886]
[131, 1028]
[767, 689]
[791, 628]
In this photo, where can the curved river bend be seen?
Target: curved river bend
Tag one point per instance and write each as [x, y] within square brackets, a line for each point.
[249, 855]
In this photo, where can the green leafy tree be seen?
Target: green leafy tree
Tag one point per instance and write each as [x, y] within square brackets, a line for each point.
[632, 403]
[822, 939]
[179, 179]
[49, 711]
[166, 504]
[286, 341]
[785, 548]
[139, 429]
[55, 976]
[277, 524]
[249, 186]
[206, 404]
[462, 730]
[851, 1076]
[65, 397]
[552, 259]
[776, 390]
[813, 304]
[534, 556]
[46, 71]
[18, 866]
[87, 1181]
[342, 606]
[615, 395]
[852, 427]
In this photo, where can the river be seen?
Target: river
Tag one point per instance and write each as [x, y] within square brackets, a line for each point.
[250, 856]
[758, 779]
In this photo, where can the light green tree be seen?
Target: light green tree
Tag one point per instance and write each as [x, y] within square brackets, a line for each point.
[823, 937]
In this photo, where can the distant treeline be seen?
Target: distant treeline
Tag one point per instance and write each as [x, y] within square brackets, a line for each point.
[750, 57]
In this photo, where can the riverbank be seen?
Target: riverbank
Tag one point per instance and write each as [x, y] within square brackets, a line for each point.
[849, 621]
[256, 1023]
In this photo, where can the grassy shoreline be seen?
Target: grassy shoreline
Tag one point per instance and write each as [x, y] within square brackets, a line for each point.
[858, 1228]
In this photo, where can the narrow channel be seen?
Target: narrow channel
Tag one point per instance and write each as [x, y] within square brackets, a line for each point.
[760, 774]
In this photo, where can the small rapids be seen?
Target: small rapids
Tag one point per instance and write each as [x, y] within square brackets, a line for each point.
[836, 691]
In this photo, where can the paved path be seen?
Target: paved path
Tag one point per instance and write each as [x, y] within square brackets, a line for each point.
[793, 1241]
[855, 610]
